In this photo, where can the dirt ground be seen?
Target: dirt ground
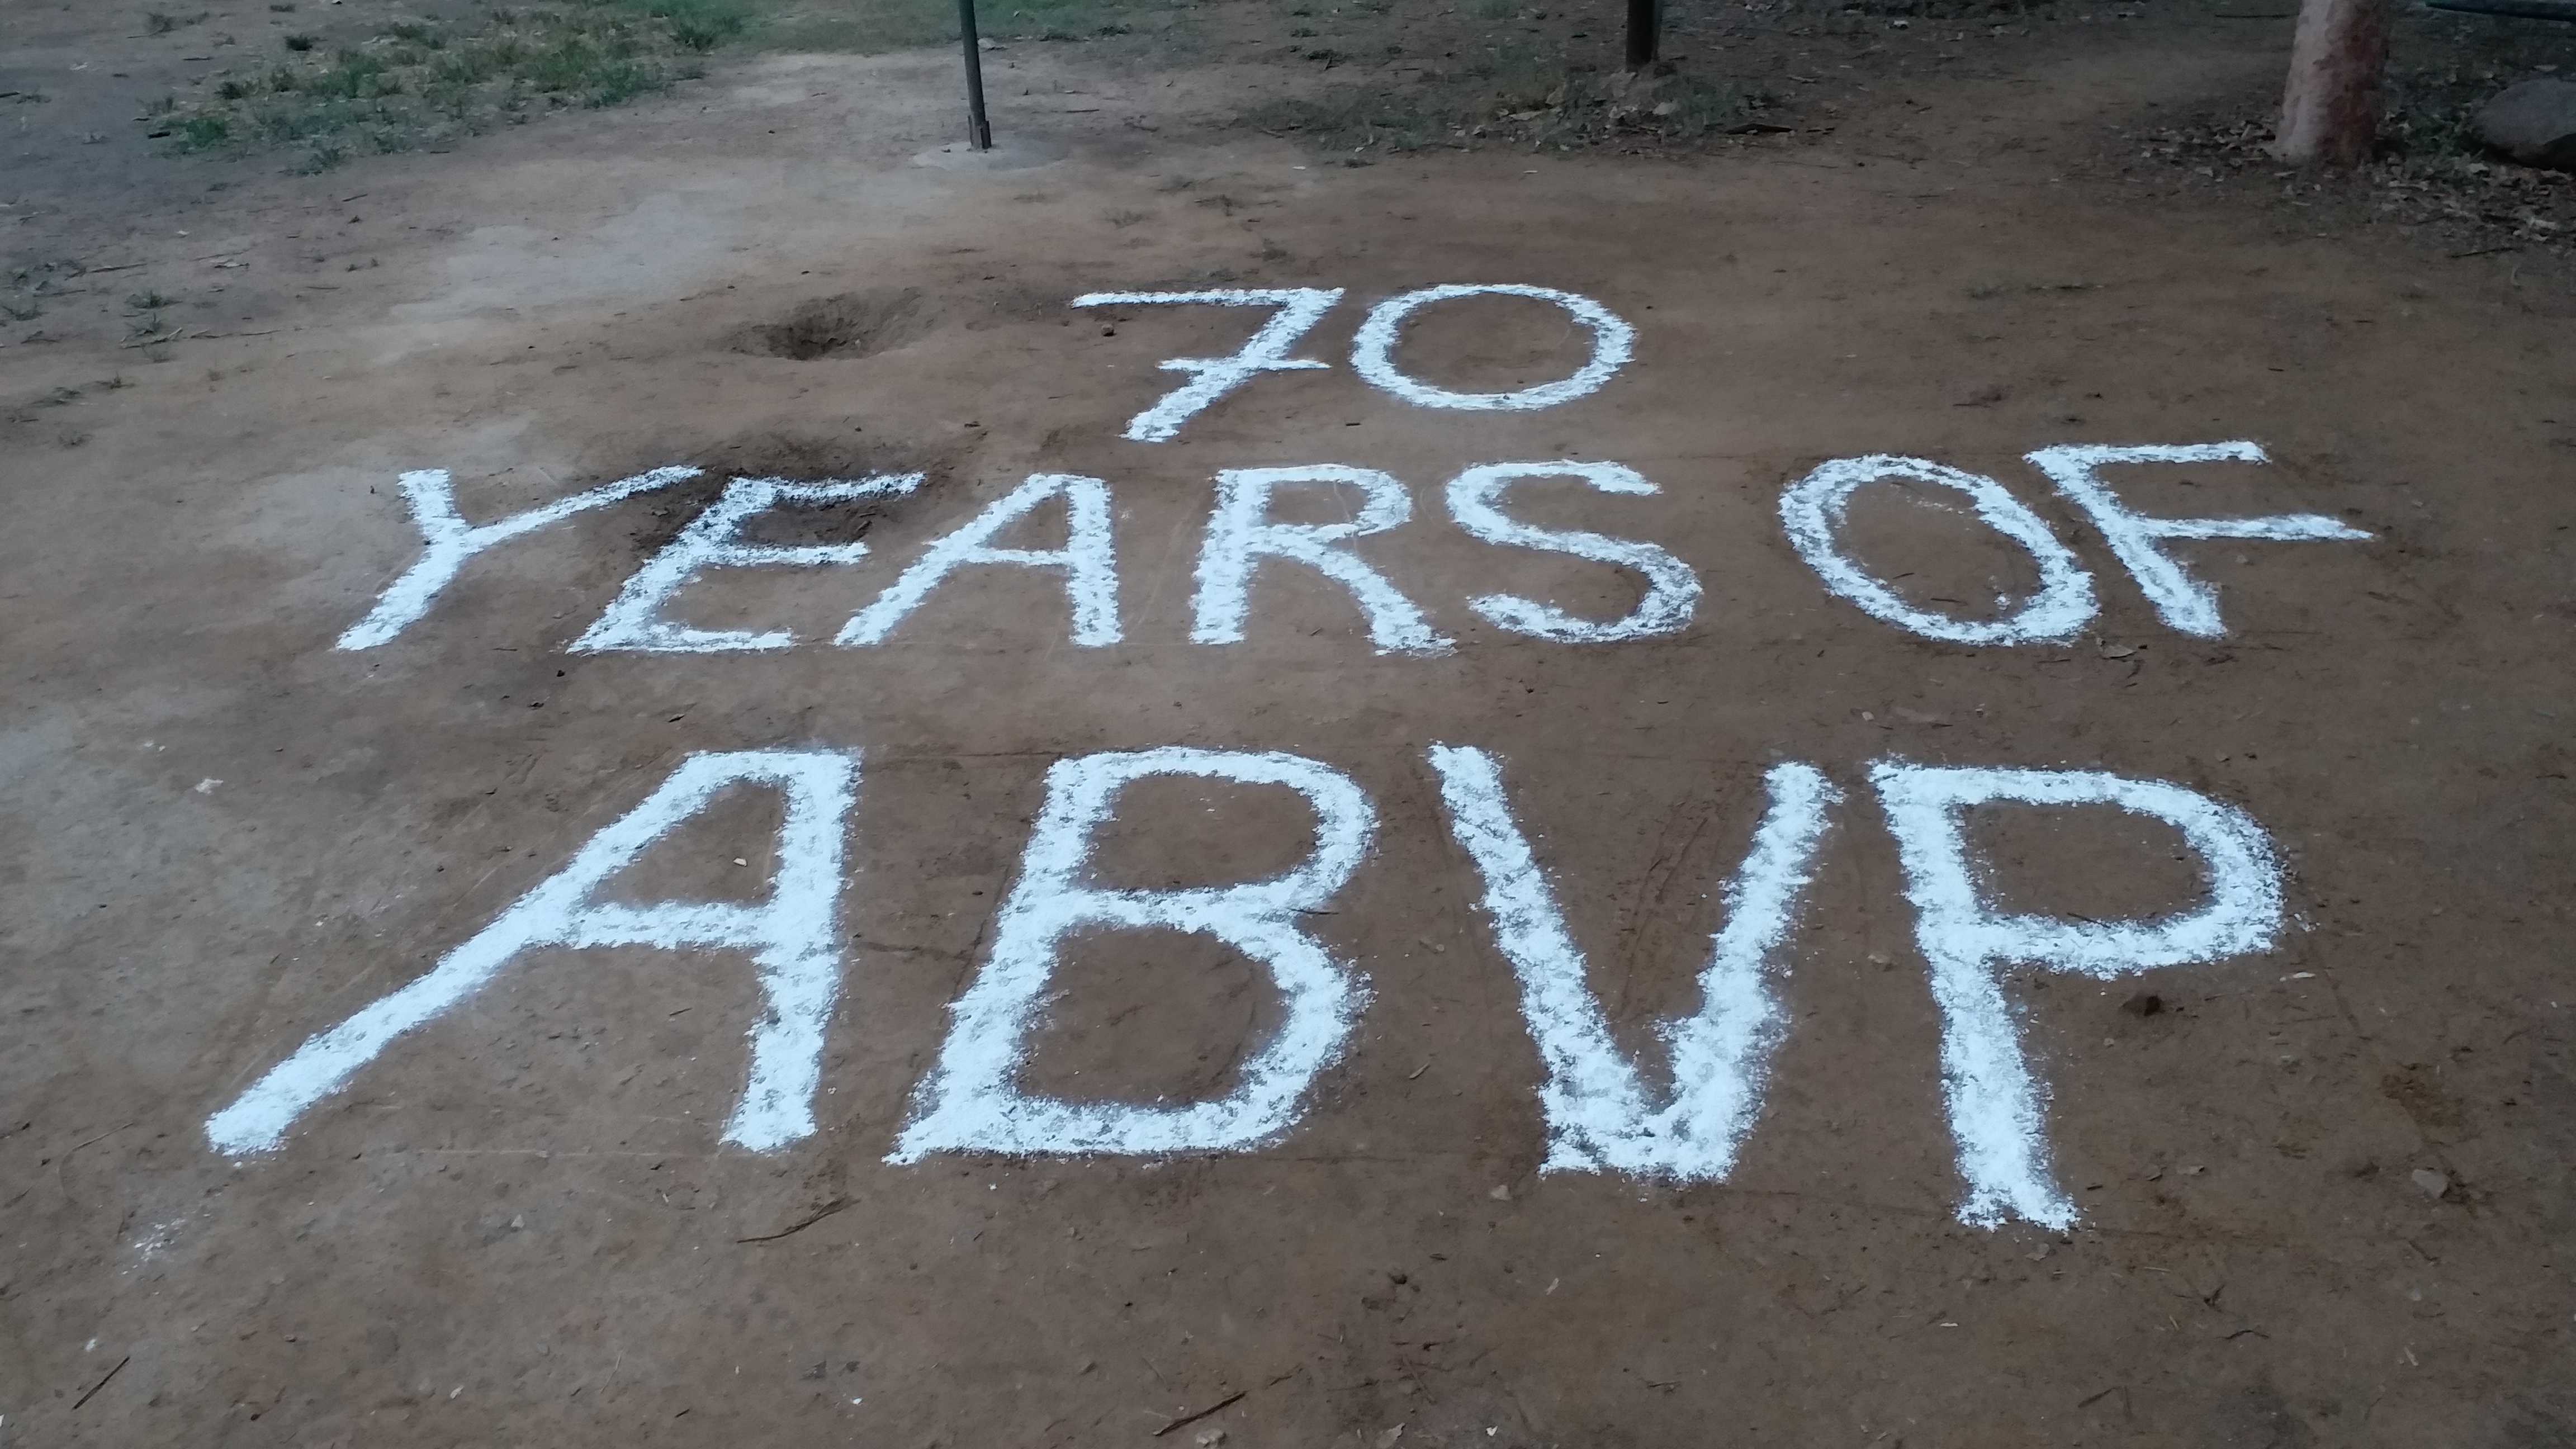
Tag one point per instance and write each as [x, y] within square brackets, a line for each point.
[2324, 1188]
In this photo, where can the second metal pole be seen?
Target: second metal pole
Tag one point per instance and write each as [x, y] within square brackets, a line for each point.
[1645, 24]
[978, 130]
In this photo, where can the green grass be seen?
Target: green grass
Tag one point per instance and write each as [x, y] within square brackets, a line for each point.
[419, 83]
[26, 287]
[203, 133]
[416, 83]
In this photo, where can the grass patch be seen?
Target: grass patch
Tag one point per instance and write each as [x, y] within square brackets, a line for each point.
[421, 83]
[417, 83]
[1513, 94]
[26, 287]
[871, 26]
[202, 133]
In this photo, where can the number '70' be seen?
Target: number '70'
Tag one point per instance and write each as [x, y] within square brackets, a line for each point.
[1372, 349]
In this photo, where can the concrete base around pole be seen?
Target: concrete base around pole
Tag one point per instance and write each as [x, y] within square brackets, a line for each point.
[2330, 109]
[1011, 153]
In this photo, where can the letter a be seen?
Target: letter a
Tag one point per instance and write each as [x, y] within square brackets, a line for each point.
[1601, 1117]
[790, 938]
[1088, 558]
[1241, 535]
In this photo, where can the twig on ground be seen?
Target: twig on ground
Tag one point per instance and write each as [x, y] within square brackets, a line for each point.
[120, 1366]
[825, 1211]
[1226, 1402]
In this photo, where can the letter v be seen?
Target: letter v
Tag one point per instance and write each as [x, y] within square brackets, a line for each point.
[1601, 1117]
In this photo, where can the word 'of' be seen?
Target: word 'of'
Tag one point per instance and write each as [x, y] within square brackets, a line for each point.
[1601, 1112]
[1242, 536]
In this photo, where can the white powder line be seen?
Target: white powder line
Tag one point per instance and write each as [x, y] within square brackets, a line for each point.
[2186, 604]
[1300, 308]
[791, 939]
[1812, 512]
[1373, 350]
[1089, 559]
[971, 1102]
[1995, 1101]
[1601, 1116]
[1672, 589]
[449, 542]
[1240, 534]
[713, 539]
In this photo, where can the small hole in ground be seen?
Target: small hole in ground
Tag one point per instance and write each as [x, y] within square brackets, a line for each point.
[854, 324]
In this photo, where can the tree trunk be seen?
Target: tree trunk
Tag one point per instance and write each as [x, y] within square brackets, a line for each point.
[2330, 111]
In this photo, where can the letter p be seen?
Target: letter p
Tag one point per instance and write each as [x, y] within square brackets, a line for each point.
[1994, 1100]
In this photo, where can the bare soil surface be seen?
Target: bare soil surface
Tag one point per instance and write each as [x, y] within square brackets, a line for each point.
[2324, 1189]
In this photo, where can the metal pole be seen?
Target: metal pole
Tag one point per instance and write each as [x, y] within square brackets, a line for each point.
[1645, 40]
[979, 130]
